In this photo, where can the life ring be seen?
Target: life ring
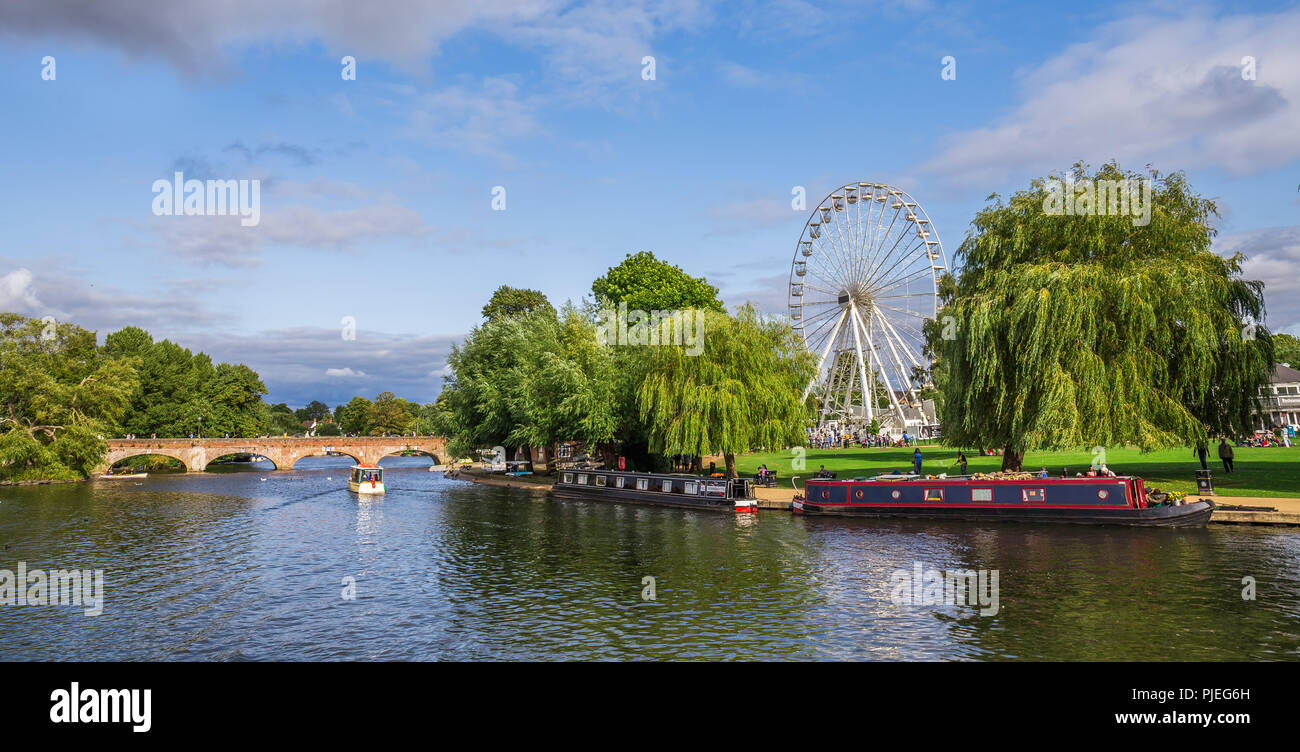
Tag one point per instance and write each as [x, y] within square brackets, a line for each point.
[858, 494]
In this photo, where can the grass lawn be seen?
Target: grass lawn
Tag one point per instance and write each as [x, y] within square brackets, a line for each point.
[1268, 471]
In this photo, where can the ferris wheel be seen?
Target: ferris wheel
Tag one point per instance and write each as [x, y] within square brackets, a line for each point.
[863, 282]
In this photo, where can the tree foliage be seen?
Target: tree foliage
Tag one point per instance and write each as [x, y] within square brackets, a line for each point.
[182, 393]
[356, 416]
[741, 393]
[1079, 330]
[645, 283]
[529, 380]
[60, 394]
[516, 301]
[1286, 349]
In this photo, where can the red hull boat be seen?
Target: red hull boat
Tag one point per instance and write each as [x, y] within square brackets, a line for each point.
[1121, 500]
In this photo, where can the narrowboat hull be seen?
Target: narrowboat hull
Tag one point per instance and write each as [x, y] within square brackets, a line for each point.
[1195, 514]
[682, 492]
[1078, 501]
[624, 496]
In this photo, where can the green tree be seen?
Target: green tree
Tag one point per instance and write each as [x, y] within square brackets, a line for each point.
[516, 301]
[741, 393]
[281, 420]
[59, 394]
[356, 416]
[1088, 329]
[317, 410]
[645, 283]
[1286, 349]
[181, 393]
[528, 380]
[129, 342]
[391, 414]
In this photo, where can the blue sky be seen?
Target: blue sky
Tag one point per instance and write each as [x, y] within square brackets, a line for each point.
[376, 193]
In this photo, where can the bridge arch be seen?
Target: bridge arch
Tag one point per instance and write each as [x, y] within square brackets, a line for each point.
[403, 452]
[112, 460]
[293, 458]
[208, 462]
[114, 456]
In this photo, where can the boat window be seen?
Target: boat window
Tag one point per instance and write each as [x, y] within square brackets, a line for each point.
[600, 480]
[981, 494]
[692, 488]
[619, 481]
[642, 484]
[934, 494]
[1034, 495]
[667, 486]
[582, 479]
[568, 477]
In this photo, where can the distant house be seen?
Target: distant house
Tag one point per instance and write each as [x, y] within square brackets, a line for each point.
[1280, 400]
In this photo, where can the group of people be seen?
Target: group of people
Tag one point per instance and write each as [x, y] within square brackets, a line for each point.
[843, 438]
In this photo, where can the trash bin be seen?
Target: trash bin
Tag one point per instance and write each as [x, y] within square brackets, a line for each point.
[1204, 483]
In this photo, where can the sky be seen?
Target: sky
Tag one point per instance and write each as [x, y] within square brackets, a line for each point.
[377, 190]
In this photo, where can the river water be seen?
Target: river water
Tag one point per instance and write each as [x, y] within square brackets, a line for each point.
[253, 565]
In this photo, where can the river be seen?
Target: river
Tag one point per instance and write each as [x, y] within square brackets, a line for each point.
[249, 564]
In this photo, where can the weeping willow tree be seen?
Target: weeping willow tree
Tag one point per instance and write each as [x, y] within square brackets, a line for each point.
[1070, 326]
[741, 392]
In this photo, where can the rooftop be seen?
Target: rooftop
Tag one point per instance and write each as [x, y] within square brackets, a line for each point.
[1284, 374]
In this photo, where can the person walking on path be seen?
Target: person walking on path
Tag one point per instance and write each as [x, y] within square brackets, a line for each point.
[1201, 451]
[1225, 455]
[916, 460]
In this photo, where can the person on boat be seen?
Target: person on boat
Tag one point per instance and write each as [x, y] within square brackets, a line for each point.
[822, 472]
[1092, 471]
[1043, 473]
[916, 460]
[1106, 471]
[1225, 455]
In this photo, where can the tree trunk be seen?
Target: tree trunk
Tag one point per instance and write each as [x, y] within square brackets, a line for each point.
[730, 459]
[1012, 459]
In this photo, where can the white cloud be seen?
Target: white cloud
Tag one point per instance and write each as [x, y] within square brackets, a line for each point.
[16, 292]
[345, 373]
[1148, 89]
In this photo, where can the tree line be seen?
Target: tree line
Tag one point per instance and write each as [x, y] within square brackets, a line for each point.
[532, 376]
[61, 395]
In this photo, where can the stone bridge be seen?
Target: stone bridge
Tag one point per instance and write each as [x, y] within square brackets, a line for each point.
[283, 452]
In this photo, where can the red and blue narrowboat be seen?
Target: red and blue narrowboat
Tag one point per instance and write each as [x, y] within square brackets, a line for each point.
[1117, 500]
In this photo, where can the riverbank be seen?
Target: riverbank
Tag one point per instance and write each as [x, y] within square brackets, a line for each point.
[1260, 472]
[41, 481]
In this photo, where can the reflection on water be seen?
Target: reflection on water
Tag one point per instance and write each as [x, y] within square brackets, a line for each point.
[249, 564]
